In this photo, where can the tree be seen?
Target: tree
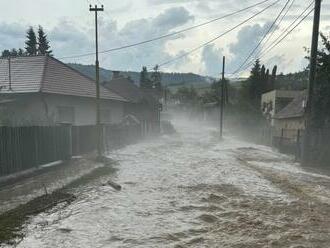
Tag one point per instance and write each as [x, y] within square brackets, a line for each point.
[5, 53]
[145, 82]
[13, 52]
[156, 78]
[20, 52]
[43, 43]
[321, 108]
[254, 81]
[31, 42]
[273, 78]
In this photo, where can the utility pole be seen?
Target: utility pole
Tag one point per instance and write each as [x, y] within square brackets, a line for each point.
[222, 95]
[312, 75]
[97, 81]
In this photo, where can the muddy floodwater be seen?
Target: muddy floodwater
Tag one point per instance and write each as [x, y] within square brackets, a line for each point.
[191, 190]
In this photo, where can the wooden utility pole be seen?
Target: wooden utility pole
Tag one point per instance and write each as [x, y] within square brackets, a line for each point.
[312, 75]
[222, 95]
[97, 79]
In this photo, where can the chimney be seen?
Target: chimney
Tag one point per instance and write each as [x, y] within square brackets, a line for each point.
[115, 74]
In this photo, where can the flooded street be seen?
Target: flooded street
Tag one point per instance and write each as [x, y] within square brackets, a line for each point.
[191, 190]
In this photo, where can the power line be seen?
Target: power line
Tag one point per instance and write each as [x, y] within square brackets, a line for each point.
[281, 37]
[168, 35]
[278, 24]
[263, 38]
[217, 37]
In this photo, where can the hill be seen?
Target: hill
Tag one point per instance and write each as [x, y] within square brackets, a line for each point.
[171, 79]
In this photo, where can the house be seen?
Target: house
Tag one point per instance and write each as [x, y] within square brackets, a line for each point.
[274, 101]
[41, 90]
[289, 125]
[142, 104]
[292, 117]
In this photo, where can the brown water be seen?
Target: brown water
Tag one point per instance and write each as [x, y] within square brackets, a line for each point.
[190, 190]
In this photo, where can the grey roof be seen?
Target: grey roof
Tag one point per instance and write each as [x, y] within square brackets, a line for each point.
[294, 109]
[46, 74]
[126, 88]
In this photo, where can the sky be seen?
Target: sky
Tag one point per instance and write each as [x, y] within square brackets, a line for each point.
[70, 29]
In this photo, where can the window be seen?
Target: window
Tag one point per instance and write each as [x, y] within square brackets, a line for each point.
[66, 115]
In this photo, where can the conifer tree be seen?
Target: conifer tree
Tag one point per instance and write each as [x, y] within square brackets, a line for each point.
[31, 42]
[43, 43]
[156, 78]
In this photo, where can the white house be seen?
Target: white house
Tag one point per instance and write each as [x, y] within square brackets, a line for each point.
[274, 101]
[41, 90]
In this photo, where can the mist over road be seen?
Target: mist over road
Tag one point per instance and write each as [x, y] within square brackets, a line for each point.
[191, 190]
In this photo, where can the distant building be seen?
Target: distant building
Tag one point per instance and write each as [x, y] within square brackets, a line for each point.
[41, 90]
[274, 101]
[142, 104]
[292, 117]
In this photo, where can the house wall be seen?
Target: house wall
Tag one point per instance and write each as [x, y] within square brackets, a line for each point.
[288, 128]
[274, 101]
[43, 109]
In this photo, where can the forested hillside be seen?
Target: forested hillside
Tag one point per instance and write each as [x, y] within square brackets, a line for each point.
[173, 79]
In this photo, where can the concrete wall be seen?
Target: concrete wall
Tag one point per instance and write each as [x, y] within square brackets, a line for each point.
[274, 101]
[42, 109]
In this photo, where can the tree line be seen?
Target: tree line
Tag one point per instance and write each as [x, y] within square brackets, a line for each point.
[35, 44]
[153, 81]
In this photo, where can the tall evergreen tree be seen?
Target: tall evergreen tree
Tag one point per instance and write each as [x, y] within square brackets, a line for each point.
[255, 85]
[43, 43]
[31, 42]
[156, 78]
[273, 78]
[268, 88]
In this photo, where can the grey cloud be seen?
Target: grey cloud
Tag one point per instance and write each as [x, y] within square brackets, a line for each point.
[247, 39]
[212, 60]
[12, 35]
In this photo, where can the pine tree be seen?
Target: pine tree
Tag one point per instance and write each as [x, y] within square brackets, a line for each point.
[268, 88]
[31, 42]
[43, 43]
[273, 78]
[156, 79]
[255, 86]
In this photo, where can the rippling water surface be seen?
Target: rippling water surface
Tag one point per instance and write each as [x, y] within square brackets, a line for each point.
[188, 190]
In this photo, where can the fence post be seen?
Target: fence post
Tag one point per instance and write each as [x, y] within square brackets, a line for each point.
[36, 146]
[298, 155]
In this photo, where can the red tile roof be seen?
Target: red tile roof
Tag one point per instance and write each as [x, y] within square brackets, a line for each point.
[48, 75]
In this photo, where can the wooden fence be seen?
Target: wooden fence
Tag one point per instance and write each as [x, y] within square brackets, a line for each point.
[23, 148]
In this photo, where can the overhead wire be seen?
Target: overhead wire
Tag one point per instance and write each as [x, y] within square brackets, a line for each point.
[167, 35]
[263, 37]
[290, 28]
[217, 37]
